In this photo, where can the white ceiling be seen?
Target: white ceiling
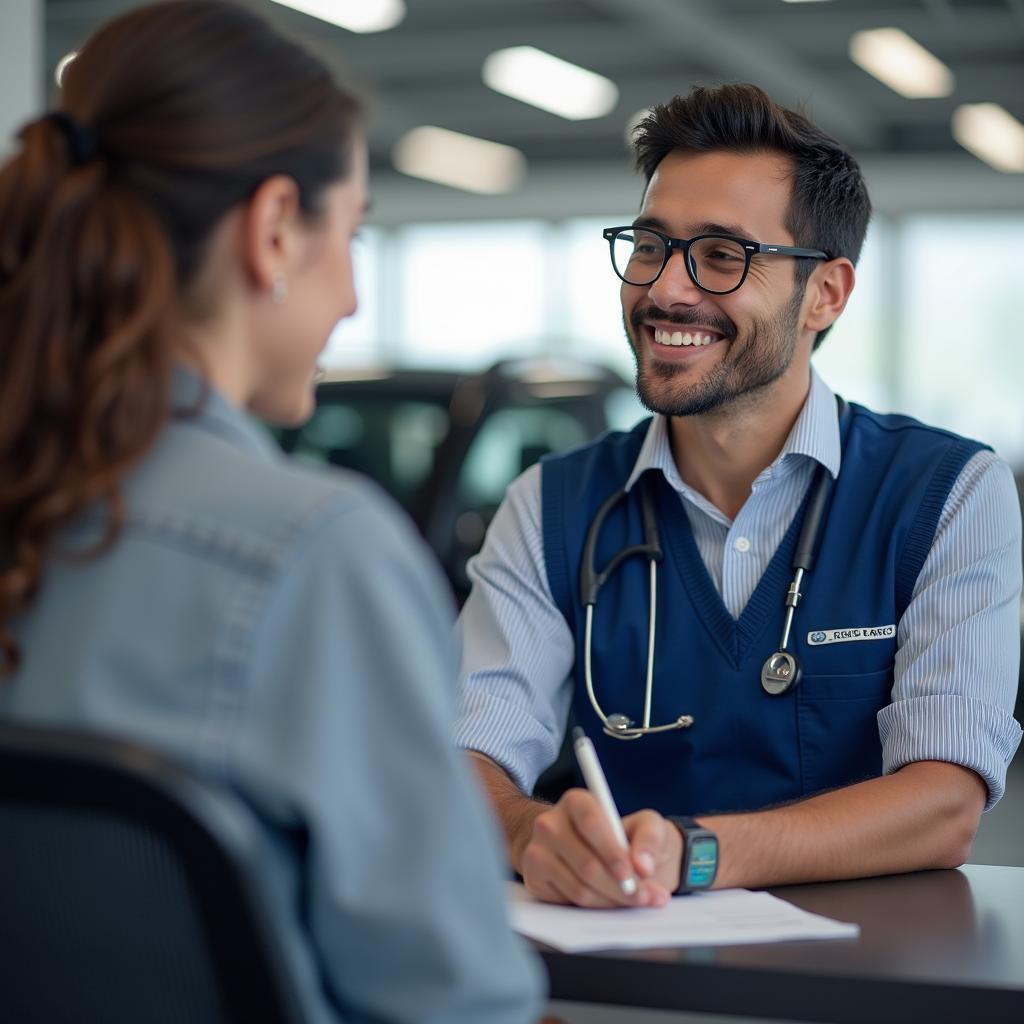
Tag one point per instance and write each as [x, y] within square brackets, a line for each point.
[427, 71]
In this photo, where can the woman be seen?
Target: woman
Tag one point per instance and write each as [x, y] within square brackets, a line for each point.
[175, 246]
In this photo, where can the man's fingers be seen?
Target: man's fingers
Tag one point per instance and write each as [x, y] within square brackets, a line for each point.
[593, 864]
[552, 879]
[555, 831]
[591, 824]
[574, 856]
[646, 833]
[655, 847]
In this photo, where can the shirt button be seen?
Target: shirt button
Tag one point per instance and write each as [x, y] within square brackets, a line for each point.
[741, 544]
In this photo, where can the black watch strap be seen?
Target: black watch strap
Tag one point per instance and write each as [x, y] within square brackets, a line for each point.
[688, 829]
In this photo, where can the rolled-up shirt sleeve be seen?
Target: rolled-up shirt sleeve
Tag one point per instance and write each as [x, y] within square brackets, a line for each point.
[958, 648]
[517, 649]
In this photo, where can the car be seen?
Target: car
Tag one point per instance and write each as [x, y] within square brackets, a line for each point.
[446, 444]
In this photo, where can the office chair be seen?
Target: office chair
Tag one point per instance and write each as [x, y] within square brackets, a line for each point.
[128, 891]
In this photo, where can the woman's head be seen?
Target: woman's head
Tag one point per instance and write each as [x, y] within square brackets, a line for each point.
[197, 107]
[284, 281]
[194, 103]
[194, 198]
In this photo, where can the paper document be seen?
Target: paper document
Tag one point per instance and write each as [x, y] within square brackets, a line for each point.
[724, 917]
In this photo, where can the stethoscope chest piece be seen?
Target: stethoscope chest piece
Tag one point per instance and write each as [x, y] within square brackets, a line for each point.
[780, 673]
[618, 724]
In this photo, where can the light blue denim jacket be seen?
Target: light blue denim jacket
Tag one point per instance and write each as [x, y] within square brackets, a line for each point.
[283, 629]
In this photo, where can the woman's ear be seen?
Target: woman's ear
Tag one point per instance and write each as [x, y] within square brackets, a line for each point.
[270, 224]
[828, 290]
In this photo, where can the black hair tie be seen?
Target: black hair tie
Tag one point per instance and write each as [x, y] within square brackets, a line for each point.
[81, 139]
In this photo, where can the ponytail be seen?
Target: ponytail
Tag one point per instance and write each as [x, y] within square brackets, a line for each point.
[86, 288]
[172, 115]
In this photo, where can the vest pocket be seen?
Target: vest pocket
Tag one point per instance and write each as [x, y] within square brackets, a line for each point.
[838, 728]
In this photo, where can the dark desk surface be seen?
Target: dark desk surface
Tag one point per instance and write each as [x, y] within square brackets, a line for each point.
[934, 946]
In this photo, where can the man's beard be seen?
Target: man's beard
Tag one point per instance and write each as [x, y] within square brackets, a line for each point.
[752, 363]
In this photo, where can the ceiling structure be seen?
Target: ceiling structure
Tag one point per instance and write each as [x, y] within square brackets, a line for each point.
[427, 71]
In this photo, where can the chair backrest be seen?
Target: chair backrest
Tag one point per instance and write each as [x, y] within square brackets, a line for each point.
[129, 891]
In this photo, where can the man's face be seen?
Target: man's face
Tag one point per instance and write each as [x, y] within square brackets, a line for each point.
[754, 331]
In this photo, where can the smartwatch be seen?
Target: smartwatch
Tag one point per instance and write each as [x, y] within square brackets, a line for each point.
[700, 855]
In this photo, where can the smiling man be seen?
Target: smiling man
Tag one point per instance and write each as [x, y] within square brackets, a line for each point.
[803, 661]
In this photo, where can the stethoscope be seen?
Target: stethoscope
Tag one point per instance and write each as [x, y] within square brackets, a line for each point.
[781, 671]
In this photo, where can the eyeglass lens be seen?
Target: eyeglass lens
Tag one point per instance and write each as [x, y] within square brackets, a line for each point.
[716, 264]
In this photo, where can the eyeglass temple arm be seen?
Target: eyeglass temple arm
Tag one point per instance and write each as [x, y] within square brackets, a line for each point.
[792, 250]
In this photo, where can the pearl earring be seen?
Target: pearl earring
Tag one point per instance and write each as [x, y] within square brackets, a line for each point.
[279, 290]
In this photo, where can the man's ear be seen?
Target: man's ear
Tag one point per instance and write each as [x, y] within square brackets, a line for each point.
[828, 290]
[270, 223]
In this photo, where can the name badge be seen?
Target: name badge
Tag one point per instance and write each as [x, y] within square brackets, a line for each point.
[845, 636]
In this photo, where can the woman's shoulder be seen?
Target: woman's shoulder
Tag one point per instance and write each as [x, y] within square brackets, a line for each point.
[248, 499]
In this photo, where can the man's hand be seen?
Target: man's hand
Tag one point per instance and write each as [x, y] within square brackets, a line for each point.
[921, 817]
[571, 855]
[568, 853]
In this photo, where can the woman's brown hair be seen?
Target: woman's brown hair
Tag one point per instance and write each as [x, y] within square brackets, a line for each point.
[170, 116]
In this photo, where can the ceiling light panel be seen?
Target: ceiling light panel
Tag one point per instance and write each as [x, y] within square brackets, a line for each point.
[355, 15]
[992, 134]
[550, 83]
[901, 63]
[459, 161]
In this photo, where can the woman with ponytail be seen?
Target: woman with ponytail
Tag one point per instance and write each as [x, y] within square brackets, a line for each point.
[174, 251]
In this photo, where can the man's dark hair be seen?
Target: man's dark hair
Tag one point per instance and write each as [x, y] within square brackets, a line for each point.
[829, 208]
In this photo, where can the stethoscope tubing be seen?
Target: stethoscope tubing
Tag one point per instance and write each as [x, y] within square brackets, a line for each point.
[781, 671]
[626, 734]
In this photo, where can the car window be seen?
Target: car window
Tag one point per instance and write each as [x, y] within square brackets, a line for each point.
[510, 441]
[623, 409]
[393, 441]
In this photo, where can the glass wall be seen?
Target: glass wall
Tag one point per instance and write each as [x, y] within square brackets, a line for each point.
[852, 357]
[468, 294]
[930, 330]
[358, 340]
[590, 310]
[962, 352]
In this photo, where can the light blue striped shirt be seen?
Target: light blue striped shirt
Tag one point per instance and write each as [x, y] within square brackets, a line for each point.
[957, 656]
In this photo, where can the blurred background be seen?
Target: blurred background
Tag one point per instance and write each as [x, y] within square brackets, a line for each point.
[499, 151]
[509, 262]
[489, 329]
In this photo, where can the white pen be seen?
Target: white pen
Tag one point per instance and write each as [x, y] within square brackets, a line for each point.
[586, 757]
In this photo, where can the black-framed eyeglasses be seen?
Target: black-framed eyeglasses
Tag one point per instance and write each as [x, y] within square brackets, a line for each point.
[717, 264]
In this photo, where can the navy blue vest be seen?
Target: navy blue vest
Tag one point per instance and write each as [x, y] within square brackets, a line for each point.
[746, 749]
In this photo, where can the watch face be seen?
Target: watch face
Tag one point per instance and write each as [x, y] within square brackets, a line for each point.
[703, 859]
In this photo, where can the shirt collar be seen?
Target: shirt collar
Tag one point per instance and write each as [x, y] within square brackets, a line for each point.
[816, 431]
[815, 434]
[194, 400]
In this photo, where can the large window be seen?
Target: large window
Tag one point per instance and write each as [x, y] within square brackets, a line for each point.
[470, 293]
[931, 329]
[357, 340]
[962, 352]
[852, 356]
[590, 306]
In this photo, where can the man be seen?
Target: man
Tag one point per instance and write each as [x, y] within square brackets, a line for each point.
[903, 642]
